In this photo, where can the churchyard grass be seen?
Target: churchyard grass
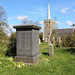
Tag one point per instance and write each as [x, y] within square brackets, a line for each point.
[62, 63]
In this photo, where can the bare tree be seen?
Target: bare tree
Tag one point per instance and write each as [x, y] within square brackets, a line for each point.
[55, 23]
[73, 25]
[37, 23]
[55, 32]
[3, 21]
[27, 21]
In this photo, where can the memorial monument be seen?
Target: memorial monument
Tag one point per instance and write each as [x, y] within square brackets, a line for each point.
[27, 43]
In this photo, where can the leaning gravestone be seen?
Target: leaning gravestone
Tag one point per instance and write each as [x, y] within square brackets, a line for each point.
[27, 43]
[51, 49]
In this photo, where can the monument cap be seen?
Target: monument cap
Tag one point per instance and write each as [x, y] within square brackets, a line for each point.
[27, 26]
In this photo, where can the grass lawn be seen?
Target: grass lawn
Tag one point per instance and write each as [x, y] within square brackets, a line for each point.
[62, 63]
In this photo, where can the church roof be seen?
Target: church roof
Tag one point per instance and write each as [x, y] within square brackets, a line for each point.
[64, 31]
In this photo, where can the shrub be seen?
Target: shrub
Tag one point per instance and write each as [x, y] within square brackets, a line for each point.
[12, 45]
[41, 36]
[69, 40]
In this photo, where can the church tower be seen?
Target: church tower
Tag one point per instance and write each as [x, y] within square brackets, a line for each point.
[48, 26]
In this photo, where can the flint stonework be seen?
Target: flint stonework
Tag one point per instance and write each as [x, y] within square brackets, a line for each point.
[27, 43]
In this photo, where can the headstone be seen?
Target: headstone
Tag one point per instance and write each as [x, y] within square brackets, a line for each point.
[53, 41]
[39, 41]
[27, 43]
[59, 42]
[46, 39]
[51, 49]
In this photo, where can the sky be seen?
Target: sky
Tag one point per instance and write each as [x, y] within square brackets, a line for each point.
[36, 10]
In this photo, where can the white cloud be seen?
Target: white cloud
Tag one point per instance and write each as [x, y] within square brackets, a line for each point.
[10, 18]
[63, 11]
[41, 22]
[57, 22]
[69, 22]
[41, 12]
[67, 8]
[35, 13]
[22, 17]
[38, 23]
[74, 10]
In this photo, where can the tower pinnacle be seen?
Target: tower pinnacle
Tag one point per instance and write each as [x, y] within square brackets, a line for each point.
[48, 15]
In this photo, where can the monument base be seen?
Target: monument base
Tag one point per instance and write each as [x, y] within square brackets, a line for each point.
[33, 59]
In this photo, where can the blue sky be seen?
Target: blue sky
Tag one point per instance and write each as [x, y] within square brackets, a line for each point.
[36, 10]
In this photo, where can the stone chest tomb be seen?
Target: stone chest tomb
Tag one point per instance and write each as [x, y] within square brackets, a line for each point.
[27, 43]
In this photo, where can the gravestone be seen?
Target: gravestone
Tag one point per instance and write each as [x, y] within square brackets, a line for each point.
[53, 41]
[27, 43]
[59, 42]
[39, 41]
[51, 49]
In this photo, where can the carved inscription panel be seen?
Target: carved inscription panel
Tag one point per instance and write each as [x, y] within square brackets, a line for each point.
[24, 43]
